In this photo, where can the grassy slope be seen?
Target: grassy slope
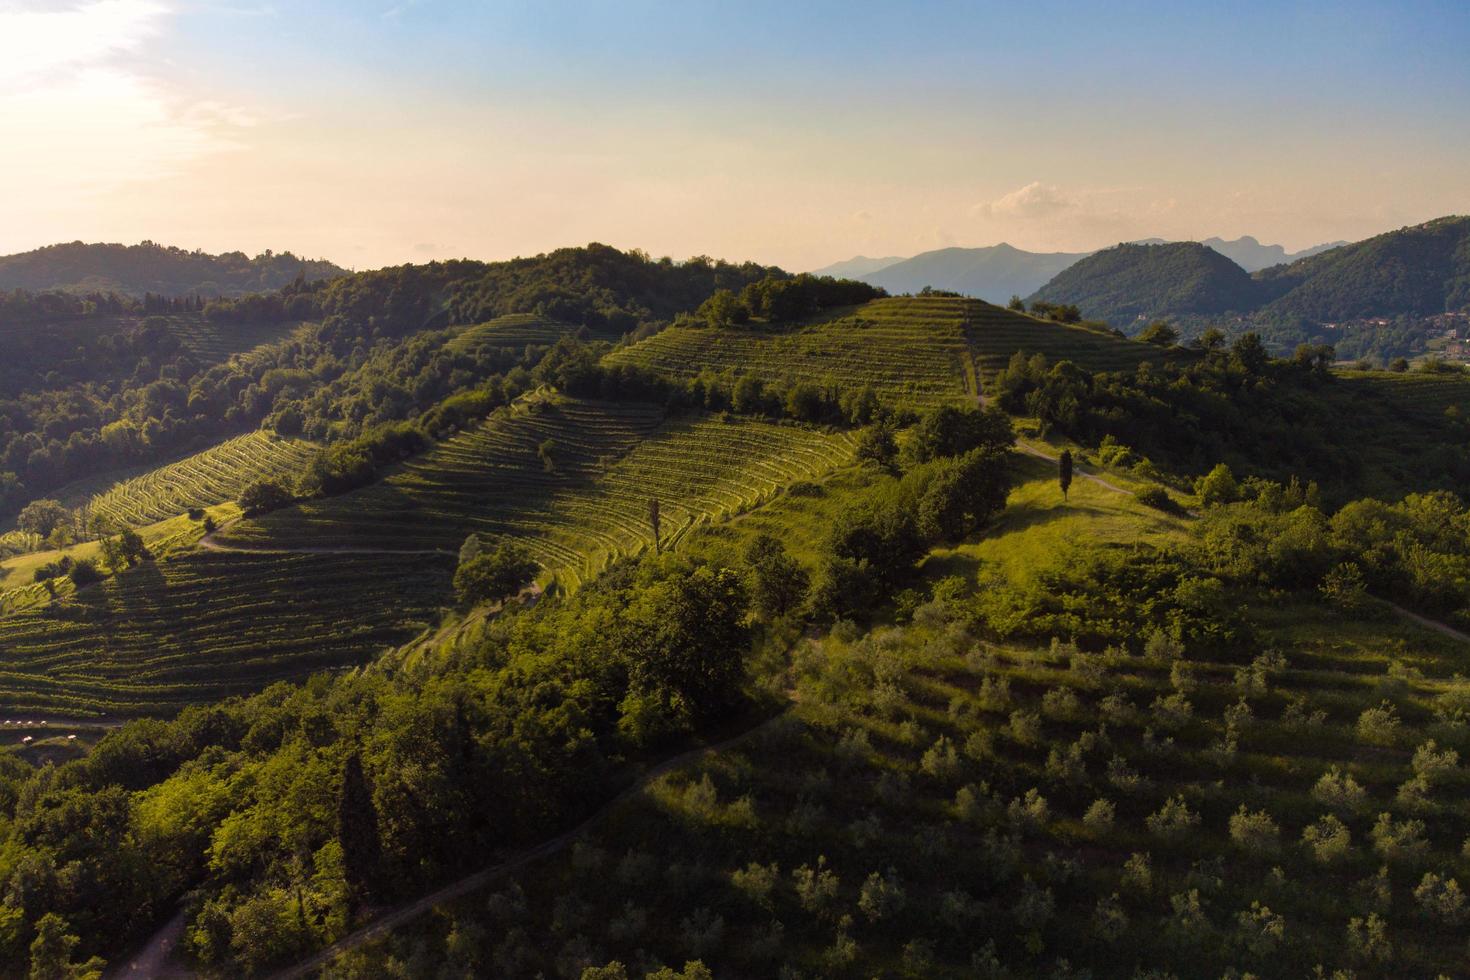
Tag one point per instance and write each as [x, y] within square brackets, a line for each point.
[658, 875]
[916, 350]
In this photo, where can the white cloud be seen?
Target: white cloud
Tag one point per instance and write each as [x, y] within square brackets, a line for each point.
[1035, 200]
[81, 111]
[42, 41]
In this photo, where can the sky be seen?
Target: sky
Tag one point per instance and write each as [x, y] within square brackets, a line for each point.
[376, 132]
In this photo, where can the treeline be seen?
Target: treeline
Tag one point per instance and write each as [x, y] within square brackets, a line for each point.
[1275, 418]
[151, 268]
[782, 299]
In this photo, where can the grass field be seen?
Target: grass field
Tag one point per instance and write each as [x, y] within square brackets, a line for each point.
[213, 476]
[204, 626]
[606, 461]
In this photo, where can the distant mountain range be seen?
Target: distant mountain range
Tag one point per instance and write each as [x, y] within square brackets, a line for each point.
[857, 266]
[998, 272]
[134, 270]
[1250, 254]
[1417, 271]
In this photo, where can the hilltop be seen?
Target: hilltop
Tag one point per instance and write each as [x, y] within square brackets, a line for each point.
[1417, 271]
[1410, 274]
[1128, 284]
[133, 270]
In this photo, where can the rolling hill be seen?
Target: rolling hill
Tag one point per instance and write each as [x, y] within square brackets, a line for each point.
[133, 270]
[1413, 272]
[1127, 284]
[912, 350]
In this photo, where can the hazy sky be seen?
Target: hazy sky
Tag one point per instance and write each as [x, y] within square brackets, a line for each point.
[374, 132]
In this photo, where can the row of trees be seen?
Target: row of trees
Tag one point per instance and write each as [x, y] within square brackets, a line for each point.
[781, 299]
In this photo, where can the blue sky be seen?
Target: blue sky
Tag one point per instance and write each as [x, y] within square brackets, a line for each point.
[377, 132]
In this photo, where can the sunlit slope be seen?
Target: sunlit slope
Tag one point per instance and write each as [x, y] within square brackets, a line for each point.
[571, 480]
[913, 350]
[212, 476]
[517, 330]
[909, 350]
[996, 333]
[203, 626]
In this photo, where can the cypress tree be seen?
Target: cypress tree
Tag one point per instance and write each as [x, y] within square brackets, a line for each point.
[1064, 471]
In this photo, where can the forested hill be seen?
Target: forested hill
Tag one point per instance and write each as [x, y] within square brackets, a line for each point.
[1412, 272]
[126, 390]
[134, 270]
[1128, 283]
[1418, 271]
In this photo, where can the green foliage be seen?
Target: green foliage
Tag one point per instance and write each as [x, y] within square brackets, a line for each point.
[263, 496]
[490, 576]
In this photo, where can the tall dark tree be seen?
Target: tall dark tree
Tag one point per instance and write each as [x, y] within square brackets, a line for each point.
[1064, 471]
[357, 829]
[654, 522]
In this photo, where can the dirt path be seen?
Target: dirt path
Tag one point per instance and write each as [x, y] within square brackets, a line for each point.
[407, 913]
[1031, 450]
[1443, 629]
[152, 961]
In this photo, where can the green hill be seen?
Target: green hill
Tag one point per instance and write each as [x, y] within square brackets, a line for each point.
[134, 270]
[1418, 271]
[912, 350]
[1128, 284]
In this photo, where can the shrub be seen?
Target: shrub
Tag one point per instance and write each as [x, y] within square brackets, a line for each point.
[1367, 939]
[1380, 725]
[1029, 812]
[1156, 497]
[1328, 839]
[1259, 931]
[1399, 841]
[263, 496]
[1099, 816]
[1432, 765]
[1173, 819]
[941, 761]
[1138, 874]
[84, 572]
[494, 575]
[1025, 727]
[1109, 920]
[881, 896]
[1441, 898]
[1256, 833]
[1339, 791]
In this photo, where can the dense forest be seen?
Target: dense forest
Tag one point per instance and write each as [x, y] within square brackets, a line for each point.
[148, 268]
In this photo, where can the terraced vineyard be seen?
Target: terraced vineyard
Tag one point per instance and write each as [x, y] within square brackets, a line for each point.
[910, 350]
[205, 626]
[995, 334]
[213, 476]
[1425, 396]
[516, 330]
[916, 350]
[607, 461]
[216, 342]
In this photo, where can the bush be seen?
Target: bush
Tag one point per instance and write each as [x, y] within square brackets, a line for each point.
[263, 496]
[1256, 833]
[1156, 497]
[84, 572]
[494, 575]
